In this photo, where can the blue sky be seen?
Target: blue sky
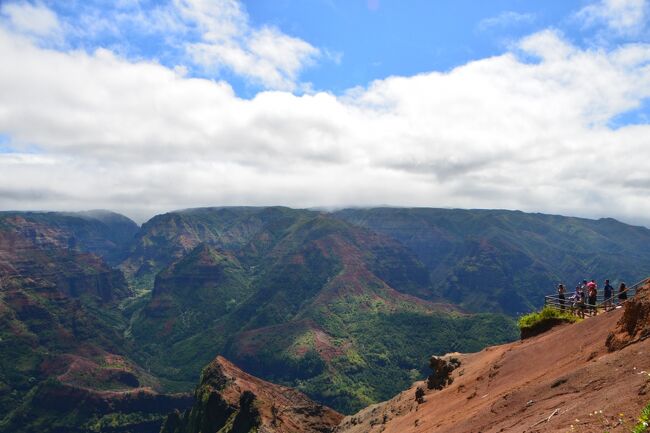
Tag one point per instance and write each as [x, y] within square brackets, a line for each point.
[361, 40]
[144, 106]
[391, 37]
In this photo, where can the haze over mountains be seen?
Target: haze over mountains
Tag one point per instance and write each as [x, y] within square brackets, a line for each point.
[346, 306]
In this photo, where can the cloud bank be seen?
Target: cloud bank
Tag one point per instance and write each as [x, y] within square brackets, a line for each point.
[528, 129]
[37, 20]
[210, 37]
[620, 16]
[264, 55]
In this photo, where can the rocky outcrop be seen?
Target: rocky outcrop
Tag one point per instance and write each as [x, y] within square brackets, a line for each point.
[441, 371]
[229, 400]
[634, 326]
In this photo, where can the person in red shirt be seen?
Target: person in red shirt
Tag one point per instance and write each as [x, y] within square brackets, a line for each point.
[592, 294]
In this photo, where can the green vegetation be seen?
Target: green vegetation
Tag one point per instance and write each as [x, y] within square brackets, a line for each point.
[46, 409]
[59, 316]
[391, 351]
[310, 306]
[373, 349]
[644, 421]
[506, 261]
[347, 307]
[535, 319]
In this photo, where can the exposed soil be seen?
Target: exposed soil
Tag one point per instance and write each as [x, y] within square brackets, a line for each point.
[282, 409]
[111, 373]
[634, 326]
[547, 383]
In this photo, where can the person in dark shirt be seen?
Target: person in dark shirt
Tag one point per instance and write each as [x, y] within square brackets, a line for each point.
[560, 294]
[608, 294]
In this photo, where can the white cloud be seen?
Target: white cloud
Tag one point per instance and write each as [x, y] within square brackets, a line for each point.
[206, 36]
[621, 16]
[506, 19]
[501, 132]
[547, 45]
[264, 55]
[34, 20]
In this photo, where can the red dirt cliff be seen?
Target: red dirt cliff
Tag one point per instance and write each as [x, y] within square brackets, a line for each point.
[230, 400]
[583, 375]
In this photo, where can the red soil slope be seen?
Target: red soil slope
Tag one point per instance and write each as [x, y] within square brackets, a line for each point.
[281, 409]
[574, 378]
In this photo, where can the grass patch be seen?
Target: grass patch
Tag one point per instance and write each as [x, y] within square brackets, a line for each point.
[535, 319]
[644, 421]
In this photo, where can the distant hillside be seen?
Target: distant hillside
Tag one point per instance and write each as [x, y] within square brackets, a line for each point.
[346, 306]
[103, 233]
[294, 296]
[493, 260]
[64, 363]
[167, 237]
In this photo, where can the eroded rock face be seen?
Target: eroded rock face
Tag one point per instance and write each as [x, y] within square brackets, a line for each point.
[441, 375]
[229, 400]
[635, 324]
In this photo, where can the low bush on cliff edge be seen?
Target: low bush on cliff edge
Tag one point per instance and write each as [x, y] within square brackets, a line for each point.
[532, 320]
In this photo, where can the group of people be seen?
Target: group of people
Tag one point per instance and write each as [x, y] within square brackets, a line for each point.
[583, 300]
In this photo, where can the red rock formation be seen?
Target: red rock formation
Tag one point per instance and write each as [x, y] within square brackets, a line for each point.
[634, 326]
[235, 401]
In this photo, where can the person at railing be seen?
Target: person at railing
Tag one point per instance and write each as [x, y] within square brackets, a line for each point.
[579, 303]
[560, 295]
[592, 293]
[609, 293]
[575, 298]
[582, 288]
[622, 293]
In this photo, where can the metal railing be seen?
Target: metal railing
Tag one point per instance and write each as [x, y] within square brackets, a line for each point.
[569, 304]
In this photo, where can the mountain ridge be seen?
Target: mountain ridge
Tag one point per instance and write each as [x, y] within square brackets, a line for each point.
[346, 306]
[317, 284]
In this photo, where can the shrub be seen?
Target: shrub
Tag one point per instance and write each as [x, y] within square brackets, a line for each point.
[532, 320]
[644, 420]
